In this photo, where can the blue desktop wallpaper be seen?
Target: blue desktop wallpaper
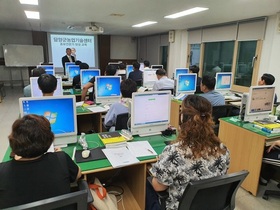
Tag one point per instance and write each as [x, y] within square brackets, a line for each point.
[223, 81]
[181, 71]
[59, 112]
[186, 83]
[67, 64]
[86, 75]
[73, 71]
[108, 86]
[129, 68]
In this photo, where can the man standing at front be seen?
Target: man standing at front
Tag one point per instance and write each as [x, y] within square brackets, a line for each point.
[67, 58]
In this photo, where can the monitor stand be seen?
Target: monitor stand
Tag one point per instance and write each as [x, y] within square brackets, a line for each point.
[149, 134]
[64, 140]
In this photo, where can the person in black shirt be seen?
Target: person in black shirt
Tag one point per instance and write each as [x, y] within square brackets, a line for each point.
[136, 74]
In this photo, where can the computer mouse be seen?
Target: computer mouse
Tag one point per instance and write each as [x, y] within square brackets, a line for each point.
[85, 153]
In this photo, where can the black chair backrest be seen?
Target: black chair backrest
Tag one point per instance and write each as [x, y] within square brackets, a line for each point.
[121, 121]
[212, 194]
[223, 111]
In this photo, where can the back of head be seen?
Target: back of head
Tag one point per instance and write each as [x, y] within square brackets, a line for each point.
[268, 79]
[194, 69]
[122, 66]
[78, 62]
[209, 82]
[31, 136]
[110, 70]
[136, 65]
[83, 66]
[47, 83]
[128, 86]
[146, 63]
[38, 72]
[161, 72]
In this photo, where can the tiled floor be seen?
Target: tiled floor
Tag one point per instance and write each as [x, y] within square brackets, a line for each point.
[9, 111]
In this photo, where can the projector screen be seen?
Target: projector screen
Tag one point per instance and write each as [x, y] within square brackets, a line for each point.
[85, 46]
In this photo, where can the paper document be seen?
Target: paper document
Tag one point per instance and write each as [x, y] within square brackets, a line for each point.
[80, 103]
[119, 157]
[141, 148]
[97, 109]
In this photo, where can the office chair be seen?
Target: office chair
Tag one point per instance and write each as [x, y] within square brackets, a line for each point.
[212, 194]
[139, 83]
[121, 121]
[223, 111]
[79, 199]
[171, 89]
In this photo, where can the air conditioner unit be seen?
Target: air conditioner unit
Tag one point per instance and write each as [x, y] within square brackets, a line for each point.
[94, 29]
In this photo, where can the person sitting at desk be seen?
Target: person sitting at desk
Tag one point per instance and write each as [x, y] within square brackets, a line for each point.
[33, 173]
[163, 81]
[207, 86]
[121, 71]
[195, 69]
[128, 87]
[34, 73]
[197, 154]
[268, 79]
[76, 83]
[109, 71]
[136, 74]
[47, 84]
[146, 64]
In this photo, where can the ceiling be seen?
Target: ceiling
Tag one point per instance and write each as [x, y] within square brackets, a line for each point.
[117, 16]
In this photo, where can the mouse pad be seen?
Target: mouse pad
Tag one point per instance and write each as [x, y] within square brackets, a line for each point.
[95, 154]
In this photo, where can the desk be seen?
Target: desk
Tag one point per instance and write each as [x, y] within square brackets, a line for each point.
[132, 178]
[246, 146]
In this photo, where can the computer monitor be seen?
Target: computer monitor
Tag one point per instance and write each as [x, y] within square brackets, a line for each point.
[129, 68]
[87, 74]
[74, 70]
[107, 89]
[150, 112]
[67, 64]
[59, 110]
[258, 103]
[180, 71]
[157, 66]
[149, 78]
[141, 67]
[186, 83]
[36, 91]
[48, 68]
[223, 81]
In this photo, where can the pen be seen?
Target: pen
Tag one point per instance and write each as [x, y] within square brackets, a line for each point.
[150, 151]
[74, 152]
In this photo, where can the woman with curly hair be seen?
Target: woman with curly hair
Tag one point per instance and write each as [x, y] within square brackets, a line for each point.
[197, 154]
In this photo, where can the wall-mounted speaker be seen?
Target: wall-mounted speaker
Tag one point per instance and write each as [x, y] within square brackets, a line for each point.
[171, 36]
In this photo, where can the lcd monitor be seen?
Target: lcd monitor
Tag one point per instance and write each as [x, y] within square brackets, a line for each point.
[59, 110]
[180, 71]
[129, 68]
[141, 67]
[107, 89]
[258, 104]
[48, 68]
[74, 70]
[150, 112]
[36, 91]
[149, 78]
[157, 66]
[88, 74]
[223, 81]
[67, 64]
[186, 83]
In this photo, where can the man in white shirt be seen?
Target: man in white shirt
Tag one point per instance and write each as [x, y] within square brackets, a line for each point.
[163, 81]
[146, 64]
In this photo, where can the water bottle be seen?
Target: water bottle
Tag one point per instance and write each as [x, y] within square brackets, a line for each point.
[82, 141]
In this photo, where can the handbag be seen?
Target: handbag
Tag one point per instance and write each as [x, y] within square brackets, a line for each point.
[101, 199]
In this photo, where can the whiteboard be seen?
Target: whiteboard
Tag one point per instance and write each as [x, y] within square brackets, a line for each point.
[23, 55]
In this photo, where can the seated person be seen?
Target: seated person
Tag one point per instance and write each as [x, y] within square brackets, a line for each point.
[109, 71]
[268, 79]
[76, 83]
[128, 87]
[136, 74]
[197, 154]
[207, 86]
[121, 71]
[33, 173]
[47, 84]
[163, 81]
[146, 64]
[34, 73]
[195, 69]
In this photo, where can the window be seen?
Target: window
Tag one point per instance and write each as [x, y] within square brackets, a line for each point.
[194, 54]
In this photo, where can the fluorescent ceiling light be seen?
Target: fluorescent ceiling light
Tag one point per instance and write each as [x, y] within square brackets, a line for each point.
[32, 14]
[187, 12]
[144, 24]
[32, 2]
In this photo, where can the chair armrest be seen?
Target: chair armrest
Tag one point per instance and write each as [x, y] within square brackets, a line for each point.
[83, 185]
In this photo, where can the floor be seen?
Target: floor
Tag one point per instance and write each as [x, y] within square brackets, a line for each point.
[9, 112]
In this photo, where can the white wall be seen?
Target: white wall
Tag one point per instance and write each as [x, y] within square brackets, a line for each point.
[270, 58]
[123, 47]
